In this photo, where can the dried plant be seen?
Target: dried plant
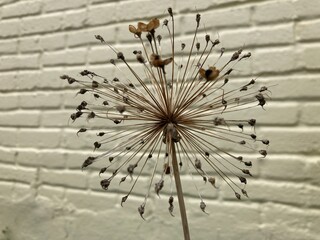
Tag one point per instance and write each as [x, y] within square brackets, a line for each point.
[173, 115]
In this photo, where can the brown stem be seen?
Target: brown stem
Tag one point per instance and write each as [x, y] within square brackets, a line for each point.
[182, 207]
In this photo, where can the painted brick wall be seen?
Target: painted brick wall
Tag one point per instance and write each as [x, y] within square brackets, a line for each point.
[44, 195]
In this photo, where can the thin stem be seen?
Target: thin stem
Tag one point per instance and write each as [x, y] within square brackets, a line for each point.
[182, 207]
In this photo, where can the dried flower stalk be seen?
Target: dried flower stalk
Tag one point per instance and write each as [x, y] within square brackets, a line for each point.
[173, 116]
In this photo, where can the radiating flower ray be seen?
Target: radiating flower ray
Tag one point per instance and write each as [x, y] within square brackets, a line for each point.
[180, 102]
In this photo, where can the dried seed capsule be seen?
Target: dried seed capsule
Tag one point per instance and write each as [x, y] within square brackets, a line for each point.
[96, 145]
[123, 200]
[102, 170]
[120, 56]
[197, 164]
[246, 171]
[105, 184]
[88, 162]
[263, 153]
[141, 211]
[171, 206]
[265, 141]
[243, 180]
[252, 122]
[248, 164]
[95, 84]
[122, 180]
[98, 37]
[237, 195]
[158, 186]
[203, 206]
[212, 180]
[244, 192]
[198, 17]
[81, 130]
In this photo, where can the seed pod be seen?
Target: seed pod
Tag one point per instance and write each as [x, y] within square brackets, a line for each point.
[197, 164]
[243, 179]
[102, 170]
[123, 200]
[244, 192]
[158, 186]
[212, 180]
[237, 195]
[105, 184]
[88, 162]
[203, 206]
[81, 130]
[141, 211]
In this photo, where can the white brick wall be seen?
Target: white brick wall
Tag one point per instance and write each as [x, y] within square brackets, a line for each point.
[44, 194]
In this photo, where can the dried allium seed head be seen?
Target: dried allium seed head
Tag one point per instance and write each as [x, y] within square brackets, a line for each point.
[174, 113]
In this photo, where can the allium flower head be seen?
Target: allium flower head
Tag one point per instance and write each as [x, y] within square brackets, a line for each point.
[173, 116]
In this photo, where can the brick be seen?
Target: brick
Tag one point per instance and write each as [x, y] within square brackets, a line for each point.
[285, 168]
[40, 100]
[89, 200]
[293, 87]
[307, 8]
[29, 44]
[87, 36]
[49, 78]
[309, 114]
[3, 2]
[75, 19]
[8, 101]
[101, 54]
[8, 136]
[312, 170]
[53, 41]
[14, 173]
[275, 113]
[71, 141]
[8, 81]
[76, 158]
[308, 30]
[288, 140]
[43, 158]
[310, 57]
[8, 46]
[20, 119]
[21, 9]
[19, 62]
[291, 223]
[58, 5]
[140, 9]
[217, 19]
[274, 60]
[278, 192]
[55, 118]
[282, 34]
[73, 179]
[189, 5]
[274, 11]
[39, 138]
[6, 188]
[51, 192]
[224, 214]
[98, 15]
[7, 155]
[9, 28]
[41, 24]
[69, 57]
[22, 190]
